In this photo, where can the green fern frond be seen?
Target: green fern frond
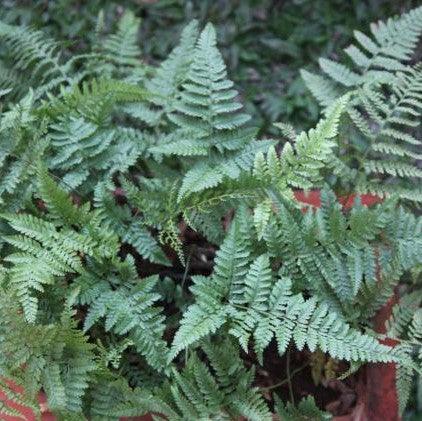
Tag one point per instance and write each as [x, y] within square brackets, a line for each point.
[131, 311]
[45, 251]
[254, 304]
[403, 314]
[300, 162]
[107, 158]
[172, 72]
[375, 58]
[95, 99]
[196, 393]
[43, 254]
[29, 50]
[305, 410]
[131, 229]
[386, 102]
[209, 314]
[55, 357]
[21, 143]
[207, 78]
[122, 47]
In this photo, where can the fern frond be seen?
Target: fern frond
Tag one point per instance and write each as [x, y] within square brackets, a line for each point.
[376, 58]
[45, 251]
[131, 311]
[30, 51]
[209, 314]
[131, 229]
[21, 144]
[305, 410]
[197, 393]
[300, 162]
[207, 78]
[122, 47]
[56, 357]
[386, 101]
[172, 72]
[257, 305]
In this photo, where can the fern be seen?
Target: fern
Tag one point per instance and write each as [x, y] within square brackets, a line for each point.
[396, 150]
[300, 163]
[202, 391]
[130, 229]
[170, 75]
[30, 51]
[111, 169]
[207, 78]
[130, 310]
[55, 357]
[253, 304]
[20, 144]
[208, 127]
[386, 104]
[305, 410]
[122, 47]
[406, 325]
[107, 392]
[44, 252]
[376, 58]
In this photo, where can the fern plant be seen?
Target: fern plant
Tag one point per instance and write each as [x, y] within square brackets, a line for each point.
[36, 55]
[55, 356]
[244, 294]
[209, 122]
[386, 87]
[154, 258]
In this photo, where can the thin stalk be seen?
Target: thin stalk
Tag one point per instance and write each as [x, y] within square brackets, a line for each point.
[284, 381]
[289, 377]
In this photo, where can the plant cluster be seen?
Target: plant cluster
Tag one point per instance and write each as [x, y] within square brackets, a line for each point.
[120, 181]
[264, 42]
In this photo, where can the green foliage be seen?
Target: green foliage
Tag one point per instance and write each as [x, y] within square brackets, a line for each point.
[207, 115]
[32, 53]
[406, 324]
[244, 297]
[122, 47]
[346, 260]
[144, 219]
[20, 143]
[46, 251]
[130, 310]
[55, 356]
[171, 73]
[130, 228]
[196, 393]
[386, 87]
[264, 42]
[393, 44]
[306, 410]
[301, 160]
